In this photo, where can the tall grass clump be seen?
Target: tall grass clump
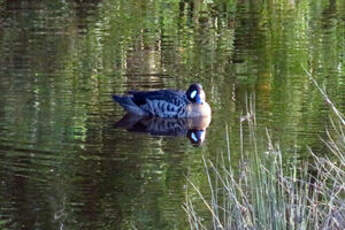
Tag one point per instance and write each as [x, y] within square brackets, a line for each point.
[262, 194]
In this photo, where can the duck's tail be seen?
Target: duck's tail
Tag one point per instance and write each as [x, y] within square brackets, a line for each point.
[127, 103]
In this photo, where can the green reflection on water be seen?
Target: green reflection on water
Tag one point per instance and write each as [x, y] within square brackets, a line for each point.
[62, 161]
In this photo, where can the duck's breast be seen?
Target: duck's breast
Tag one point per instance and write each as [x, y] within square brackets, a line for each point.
[198, 110]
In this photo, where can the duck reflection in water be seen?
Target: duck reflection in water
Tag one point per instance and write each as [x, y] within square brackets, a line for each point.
[192, 128]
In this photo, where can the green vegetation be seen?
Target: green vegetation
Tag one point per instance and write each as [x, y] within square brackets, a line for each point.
[266, 194]
[61, 161]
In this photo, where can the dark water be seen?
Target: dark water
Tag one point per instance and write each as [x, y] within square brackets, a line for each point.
[64, 164]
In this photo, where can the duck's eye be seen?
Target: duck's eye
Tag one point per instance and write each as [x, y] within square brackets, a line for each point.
[193, 94]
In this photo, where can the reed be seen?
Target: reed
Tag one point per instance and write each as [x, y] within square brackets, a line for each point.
[262, 194]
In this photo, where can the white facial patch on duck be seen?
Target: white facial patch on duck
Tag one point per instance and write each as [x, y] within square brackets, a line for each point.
[193, 136]
[193, 94]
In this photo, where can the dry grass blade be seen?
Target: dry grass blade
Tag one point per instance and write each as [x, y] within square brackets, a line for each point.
[324, 94]
[265, 195]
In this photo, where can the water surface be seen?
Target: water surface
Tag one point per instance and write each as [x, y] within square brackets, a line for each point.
[63, 162]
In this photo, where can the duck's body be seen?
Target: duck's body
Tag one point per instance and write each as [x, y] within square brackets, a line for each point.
[166, 103]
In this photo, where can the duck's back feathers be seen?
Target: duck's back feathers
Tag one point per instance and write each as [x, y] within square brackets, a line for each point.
[168, 96]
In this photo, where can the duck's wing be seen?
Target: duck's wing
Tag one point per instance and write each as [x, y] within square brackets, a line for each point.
[127, 103]
[161, 103]
[174, 97]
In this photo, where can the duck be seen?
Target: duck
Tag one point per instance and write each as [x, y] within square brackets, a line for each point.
[167, 103]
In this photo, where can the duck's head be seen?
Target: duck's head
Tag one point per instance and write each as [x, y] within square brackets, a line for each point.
[196, 94]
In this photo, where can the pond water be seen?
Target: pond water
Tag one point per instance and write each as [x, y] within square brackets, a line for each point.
[64, 163]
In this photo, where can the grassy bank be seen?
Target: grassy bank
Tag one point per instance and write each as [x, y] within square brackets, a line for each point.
[262, 194]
